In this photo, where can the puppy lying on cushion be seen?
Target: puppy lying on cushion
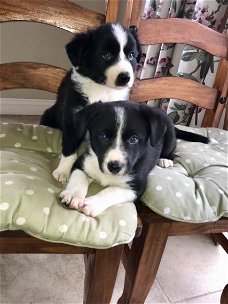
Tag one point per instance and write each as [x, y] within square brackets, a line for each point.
[126, 140]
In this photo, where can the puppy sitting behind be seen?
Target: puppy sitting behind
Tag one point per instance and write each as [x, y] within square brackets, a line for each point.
[104, 60]
[126, 140]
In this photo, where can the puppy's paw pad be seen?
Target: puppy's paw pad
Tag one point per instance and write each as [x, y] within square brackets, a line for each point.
[60, 176]
[93, 212]
[66, 196]
[165, 163]
[72, 199]
[87, 210]
[77, 202]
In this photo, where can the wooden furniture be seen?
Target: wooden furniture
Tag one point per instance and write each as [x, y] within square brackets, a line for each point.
[101, 265]
[143, 258]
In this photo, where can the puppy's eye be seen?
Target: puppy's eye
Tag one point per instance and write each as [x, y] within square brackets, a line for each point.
[103, 137]
[131, 56]
[133, 140]
[107, 56]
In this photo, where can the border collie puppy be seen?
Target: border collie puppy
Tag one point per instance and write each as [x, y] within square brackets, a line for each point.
[126, 140]
[104, 60]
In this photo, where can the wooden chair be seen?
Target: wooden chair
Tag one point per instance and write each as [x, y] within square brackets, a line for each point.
[101, 265]
[143, 258]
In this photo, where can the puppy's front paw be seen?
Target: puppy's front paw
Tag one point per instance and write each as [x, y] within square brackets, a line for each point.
[165, 163]
[72, 199]
[92, 206]
[60, 175]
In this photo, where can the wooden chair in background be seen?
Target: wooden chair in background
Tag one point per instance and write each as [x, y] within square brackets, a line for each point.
[101, 265]
[143, 258]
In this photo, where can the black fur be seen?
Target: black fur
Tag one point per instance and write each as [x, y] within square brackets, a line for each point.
[154, 130]
[86, 52]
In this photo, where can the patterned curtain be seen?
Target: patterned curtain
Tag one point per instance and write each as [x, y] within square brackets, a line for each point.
[182, 60]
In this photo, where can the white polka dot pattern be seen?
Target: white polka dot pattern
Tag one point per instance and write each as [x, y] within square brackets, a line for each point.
[9, 183]
[103, 235]
[63, 228]
[122, 222]
[196, 186]
[158, 188]
[29, 192]
[4, 206]
[20, 221]
[17, 145]
[46, 210]
[34, 169]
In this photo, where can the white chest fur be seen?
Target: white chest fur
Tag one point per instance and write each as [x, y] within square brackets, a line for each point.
[98, 92]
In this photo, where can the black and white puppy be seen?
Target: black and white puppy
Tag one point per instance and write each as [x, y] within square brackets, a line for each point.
[104, 60]
[126, 140]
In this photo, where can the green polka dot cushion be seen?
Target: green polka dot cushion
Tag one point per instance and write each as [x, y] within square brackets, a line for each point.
[30, 195]
[195, 189]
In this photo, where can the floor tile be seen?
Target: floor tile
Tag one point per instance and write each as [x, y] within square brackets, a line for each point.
[156, 295]
[213, 298]
[42, 279]
[192, 266]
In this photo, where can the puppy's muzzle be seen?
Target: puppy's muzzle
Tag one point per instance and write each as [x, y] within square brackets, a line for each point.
[122, 79]
[114, 167]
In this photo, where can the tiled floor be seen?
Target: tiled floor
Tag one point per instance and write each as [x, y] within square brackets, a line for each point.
[192, 270]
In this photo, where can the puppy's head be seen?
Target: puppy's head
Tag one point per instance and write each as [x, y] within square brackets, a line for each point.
[120, 134]
[108, 54]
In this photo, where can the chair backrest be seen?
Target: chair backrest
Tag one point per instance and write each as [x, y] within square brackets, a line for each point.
[175, 30]
[65, 15]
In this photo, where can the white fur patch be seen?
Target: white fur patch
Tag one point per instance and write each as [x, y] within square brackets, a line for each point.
[62, 172]
[76, 190]
[165, 163]
[116, 153]
[98, 92]
[120, 35]
[106, 198]
[123, 65]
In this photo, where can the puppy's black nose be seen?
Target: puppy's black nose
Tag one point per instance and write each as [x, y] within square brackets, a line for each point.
[114, 166]
[122, 79]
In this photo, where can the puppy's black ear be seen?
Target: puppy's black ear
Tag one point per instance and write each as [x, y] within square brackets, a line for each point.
[83, 117]
[76, 47]
[158, 123]
[134, 31]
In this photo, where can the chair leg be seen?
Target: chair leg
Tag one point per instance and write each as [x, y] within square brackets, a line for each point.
[221, 240]
[101, 272]
[143, 262]
[224, 296]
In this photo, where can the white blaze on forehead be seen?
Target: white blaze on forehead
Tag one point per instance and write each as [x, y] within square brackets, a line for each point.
[122, 65]
[120, 35]
[120, 118]
[116, 152]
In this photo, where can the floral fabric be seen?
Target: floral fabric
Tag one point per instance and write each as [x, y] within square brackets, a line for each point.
[181, 60]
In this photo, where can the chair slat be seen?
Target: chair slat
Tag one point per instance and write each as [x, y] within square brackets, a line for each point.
[174, 87]
[176, 30]
[20, 242]
[30, 75]
[63, 14]
[112, 10]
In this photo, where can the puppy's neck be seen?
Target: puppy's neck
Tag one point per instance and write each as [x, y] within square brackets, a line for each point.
[97, 92]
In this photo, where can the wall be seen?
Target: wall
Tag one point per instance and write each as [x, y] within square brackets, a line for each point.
[28, 41]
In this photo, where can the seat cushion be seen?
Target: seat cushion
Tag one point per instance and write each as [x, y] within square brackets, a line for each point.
[195, 188]
[30, 195]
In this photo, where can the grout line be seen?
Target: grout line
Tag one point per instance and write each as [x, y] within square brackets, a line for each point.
[197, 297]
[159, 284]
